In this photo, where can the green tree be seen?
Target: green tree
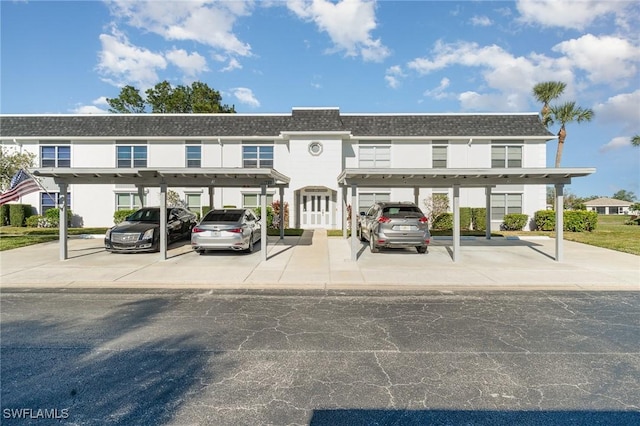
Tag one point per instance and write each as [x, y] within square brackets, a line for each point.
[545, 92]
[635, 140]
[625, 196]
[128, 101]
[564, 114]
[10, 162]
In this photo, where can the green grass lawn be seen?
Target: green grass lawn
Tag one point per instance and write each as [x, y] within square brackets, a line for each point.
[611, 233]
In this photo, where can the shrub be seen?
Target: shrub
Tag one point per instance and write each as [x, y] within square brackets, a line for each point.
[545, 220]
[514, 221]
[18, 213]
[479, 218]
[276, 213]
[633, 220]
[580, 221]
[121, 215]
[4, 214]
[32, 221]
[465, 218]
[53, 216]
[443, 222]
[269, 214]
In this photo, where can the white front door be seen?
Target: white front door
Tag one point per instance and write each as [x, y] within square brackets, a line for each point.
[315, 208]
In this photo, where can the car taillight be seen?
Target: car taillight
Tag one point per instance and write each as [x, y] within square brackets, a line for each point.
[424, 219]
[235, 230]
[384, 219]
[196, 229]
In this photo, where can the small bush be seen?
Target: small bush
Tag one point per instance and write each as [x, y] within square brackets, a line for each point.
[633, 220]
[479, 219]
[545, 220]
[443, 222]
[32, 221]
[580, 220]
[53, 216]
[4, 215]
[514, 221]
[18, 213]
[465, 218]
[121, 215]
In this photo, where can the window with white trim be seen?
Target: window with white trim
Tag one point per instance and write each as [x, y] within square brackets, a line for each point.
[371, 155]
[131, 156]
[257, 156]
[194, 203]
[439, 156]
[506, 156]
[193, 154]
[253, 200]
[502, 204]
[55, 156]
[51, 200]
[128, 201]
[368, 199]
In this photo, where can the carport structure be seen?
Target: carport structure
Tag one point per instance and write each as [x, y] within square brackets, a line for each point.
[164, 178]
[456, 179]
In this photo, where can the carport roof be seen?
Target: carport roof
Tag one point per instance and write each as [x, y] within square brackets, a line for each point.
[173, 177]
[433, 178]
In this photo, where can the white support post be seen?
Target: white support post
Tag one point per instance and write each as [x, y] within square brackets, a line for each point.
[281, 219]
[141, 196]
[354, 222]
[63, 222]
[416, 195]
[559, 221]
[456, 223]
[212, 192]
[344, 212]
[487, 194]
[163, 221]
[263, 221]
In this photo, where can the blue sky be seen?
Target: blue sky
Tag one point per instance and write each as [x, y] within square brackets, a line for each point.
[359, 55]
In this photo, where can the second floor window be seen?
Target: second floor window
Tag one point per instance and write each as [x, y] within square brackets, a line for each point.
[55, 156]
[507, 156]
[375, 156]
[257, 156]
[439, 156]
[194, 156]
[132, 156]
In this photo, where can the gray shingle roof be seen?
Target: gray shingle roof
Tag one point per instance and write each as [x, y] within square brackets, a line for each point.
[271, 125]
[603, 202]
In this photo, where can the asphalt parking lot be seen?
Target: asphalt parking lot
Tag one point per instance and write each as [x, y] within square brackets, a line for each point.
[315, 261]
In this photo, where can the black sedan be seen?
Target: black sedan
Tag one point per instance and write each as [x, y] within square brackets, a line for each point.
[141, 230]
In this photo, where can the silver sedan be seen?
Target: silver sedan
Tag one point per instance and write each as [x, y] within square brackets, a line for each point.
[226, 229]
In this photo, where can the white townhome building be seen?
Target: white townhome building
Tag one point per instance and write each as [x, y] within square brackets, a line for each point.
[310, 146]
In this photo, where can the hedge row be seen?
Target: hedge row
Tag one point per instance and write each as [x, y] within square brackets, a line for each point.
[471, 218]
[574, 220]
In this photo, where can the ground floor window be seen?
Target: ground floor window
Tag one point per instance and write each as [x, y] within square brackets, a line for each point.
[502, 204]
[51, 200]
[367, 199]
[194, 203]
[255, 200]
[128, 201]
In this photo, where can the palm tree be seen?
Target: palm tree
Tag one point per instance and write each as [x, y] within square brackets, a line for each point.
[545, 92]
[567, 113]
[635, 141]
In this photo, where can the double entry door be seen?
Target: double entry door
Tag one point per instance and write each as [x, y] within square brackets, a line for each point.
[315, 208]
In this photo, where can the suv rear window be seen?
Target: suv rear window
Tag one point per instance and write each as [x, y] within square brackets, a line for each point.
[402, 212]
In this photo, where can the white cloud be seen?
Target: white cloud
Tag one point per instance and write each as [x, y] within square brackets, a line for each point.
[191, 64]
[245, 96]
[616, 143]
[233, 64]
[348, 23]
[623, 108]
[439, 92]
[393, 75]
[205, 21]
[481, 21]
[567, 14]
[122, 63]
[606, 59]
[92, 109]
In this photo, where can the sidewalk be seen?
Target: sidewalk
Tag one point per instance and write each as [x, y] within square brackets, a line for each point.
[315, 261]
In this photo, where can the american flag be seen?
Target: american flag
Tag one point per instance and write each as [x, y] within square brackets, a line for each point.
[22, 183]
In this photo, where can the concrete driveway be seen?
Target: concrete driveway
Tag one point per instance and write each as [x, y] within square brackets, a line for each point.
[315, 261]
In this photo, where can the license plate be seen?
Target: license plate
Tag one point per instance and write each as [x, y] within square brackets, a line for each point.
[403, 227]
[215, 233]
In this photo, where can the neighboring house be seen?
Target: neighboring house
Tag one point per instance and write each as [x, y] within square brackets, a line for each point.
[311, 146]
[608, 206]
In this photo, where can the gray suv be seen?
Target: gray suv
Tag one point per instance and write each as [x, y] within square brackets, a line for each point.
[394, 225]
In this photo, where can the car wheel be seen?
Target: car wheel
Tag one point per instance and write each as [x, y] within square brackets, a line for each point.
[421, 249]
[372, 245]
[250, 248]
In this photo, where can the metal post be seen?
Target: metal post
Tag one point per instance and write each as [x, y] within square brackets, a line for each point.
[354, 222]
[416, 195]
[141, 195]
[559, 221]
[163, 221]
[62, 231]
[211, 195]
[263, 220]
[487, 193]
[344, 211]
[456, 223]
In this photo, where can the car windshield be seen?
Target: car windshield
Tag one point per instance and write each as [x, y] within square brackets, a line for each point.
[146, 215]
[223, 216]
[402, 212]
